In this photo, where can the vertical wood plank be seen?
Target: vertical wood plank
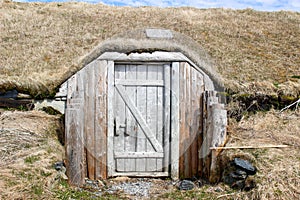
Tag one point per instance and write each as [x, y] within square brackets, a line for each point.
[160, 133]
[141, 102]
[89, 119]
[182, 74]
[200, 93]
[195, 113]
[203, 152]
[151, 113]
[110, 118]
[74, 130]
[120, 118]
[188, 119]
[130, 135]
[219, 116]
[191, 91]
[101, 109]
[210, 99]
[175, 118]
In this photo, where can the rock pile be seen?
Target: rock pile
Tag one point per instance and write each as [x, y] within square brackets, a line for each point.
[236, 175]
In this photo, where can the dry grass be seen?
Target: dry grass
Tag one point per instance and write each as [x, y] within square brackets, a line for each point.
[278, 169]
[28, 149]
[39, 42]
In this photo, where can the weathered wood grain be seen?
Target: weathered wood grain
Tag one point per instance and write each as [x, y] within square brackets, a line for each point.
[182, 100]
[74, 131]
[175, 120]
[110, 119]
[219, 117]
[120, 116]
[89, 119]
[191, 92]
[141, 99]
[130, 136]
[138, 155]
[151, 117]
[101, 119]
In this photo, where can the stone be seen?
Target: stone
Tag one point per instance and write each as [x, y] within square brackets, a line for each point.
[186, 185]
[249, 184]
[159, 33]
[239, 185]
[244, 165]
[239, 175]
[58, 165]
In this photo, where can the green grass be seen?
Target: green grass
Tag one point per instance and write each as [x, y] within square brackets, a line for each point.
[37, 190]
[31, 159]
[65, 192]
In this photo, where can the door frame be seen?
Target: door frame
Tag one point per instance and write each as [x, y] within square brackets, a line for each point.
[160, 146]
[172, 128]
[156, 57]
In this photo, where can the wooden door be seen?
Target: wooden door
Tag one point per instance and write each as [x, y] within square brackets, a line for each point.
[141, 115]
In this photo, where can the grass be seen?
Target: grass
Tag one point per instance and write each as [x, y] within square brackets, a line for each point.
[278, 175]
[251, 49]
[32, 159]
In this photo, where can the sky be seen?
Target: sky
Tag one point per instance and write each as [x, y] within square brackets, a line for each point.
[262, 5]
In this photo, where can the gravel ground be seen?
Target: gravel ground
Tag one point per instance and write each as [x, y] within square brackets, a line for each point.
[133, 188]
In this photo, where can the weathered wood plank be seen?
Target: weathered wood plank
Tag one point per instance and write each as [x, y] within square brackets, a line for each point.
[203, 151]
[146, 57]
[119, 114]
[160, 133]
[130, 136]
[151, 117]
[101, 98]
[210, 100]
[89, 119]
[219, 116]
[200, 93]
[74, 131]
[188, 123]
[195, 113]
[143, 174]
[175, 120]
[138, 155]
[138, 82]
[208, 136]
[110, 118]
[141, 102]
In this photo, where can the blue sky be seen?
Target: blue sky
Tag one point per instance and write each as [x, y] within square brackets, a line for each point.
[263, 5]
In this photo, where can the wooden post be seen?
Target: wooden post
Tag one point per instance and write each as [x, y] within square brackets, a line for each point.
[219, 123]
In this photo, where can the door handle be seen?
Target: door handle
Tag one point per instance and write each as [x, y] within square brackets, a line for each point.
[120, 126]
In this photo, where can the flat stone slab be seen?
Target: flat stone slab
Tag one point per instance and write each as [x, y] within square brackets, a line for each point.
[159, 33]
[244, 165]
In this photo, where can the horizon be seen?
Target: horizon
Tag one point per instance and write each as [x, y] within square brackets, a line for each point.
[260, 5]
